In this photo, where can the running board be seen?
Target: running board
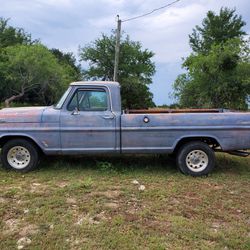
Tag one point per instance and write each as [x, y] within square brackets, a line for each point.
[238, 153]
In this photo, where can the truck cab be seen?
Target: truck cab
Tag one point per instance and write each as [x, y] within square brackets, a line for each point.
[90, 118]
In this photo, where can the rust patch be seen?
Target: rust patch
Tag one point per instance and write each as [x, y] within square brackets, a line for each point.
[158, 111]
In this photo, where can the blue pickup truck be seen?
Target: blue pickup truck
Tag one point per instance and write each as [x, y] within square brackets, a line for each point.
[88, 119]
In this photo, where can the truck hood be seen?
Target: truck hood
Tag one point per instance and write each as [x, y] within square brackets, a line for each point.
[27, 114]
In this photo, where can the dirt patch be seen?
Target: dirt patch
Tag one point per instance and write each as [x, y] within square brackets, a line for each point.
[248, 221]
[38, 188]
[217, 225]
[12, 224]
[159, 226]
[193, 197]
[15, 225]
[71, 201]
[114, 187]
[20, 202]
[111, 205]
[76, 243]
[2, 200]
[28, 230]
[174, 201]
[62, 184]
[133, 206]
[100, 217]
[130, 217]
[110, 194]
[96, 219]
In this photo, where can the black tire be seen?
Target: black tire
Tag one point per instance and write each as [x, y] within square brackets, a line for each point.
[195, 158]
[27, 152]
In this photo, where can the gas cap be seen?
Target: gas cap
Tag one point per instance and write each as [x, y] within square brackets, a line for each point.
[146, 119]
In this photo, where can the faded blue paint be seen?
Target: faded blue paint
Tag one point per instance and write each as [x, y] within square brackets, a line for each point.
[58, 131]
[163, 131]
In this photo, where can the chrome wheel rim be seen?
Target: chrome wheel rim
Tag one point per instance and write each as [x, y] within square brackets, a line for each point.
[18, 157]
[197, 160]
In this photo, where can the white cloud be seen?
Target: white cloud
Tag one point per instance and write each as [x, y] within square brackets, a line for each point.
[61, 3]
[167, 33]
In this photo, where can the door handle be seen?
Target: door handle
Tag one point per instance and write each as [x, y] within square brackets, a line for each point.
[75, 112]
[108, 117]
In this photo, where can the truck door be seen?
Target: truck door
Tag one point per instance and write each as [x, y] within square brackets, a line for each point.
[87, 122]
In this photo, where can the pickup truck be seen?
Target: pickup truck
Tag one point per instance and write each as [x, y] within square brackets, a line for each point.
[88, 120]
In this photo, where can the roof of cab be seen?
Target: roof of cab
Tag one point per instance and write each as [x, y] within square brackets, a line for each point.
[94, 82]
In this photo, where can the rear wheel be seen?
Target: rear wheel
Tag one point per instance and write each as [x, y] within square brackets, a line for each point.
[20, 155]
[196, 159]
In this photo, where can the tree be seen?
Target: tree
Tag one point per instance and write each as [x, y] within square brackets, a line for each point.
[216, 29]
[32, 72]
[68, 59]
[10, 35]
[135, 68]
[218, 69]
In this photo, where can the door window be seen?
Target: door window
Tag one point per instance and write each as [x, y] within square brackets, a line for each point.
[89, 100]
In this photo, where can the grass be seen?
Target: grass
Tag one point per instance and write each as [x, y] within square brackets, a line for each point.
[91, 203]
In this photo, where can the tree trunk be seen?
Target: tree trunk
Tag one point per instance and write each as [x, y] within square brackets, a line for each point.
[12, 98]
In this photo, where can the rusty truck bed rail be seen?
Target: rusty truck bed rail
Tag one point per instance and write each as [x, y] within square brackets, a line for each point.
[158, 111]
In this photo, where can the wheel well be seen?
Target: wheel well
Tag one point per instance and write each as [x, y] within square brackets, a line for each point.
[5, 139]
[212, 142]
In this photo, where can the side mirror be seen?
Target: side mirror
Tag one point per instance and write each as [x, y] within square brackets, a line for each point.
[75, 111]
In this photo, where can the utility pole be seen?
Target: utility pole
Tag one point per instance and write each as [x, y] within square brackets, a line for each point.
[117, 48]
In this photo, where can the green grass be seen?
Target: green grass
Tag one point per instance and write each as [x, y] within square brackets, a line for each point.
[91, 203]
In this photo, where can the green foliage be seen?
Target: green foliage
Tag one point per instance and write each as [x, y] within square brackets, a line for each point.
[218, 70]
[33, 71]
[68, 59]
[216, 29]
[10, 35]
[135, 95]
[105, 166]
[171, 106]
[135, 68]
[87, 183]
[29, 72]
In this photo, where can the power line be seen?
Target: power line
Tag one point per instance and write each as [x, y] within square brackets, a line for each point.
[146, 14]
[118, 34]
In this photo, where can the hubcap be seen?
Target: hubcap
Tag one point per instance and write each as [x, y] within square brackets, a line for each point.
[197, 160]
[18, 157]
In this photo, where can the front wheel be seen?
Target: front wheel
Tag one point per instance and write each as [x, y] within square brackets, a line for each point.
[196, 159]
[20, 155]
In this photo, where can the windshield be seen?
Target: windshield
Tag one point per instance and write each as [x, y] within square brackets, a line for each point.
[63, 98]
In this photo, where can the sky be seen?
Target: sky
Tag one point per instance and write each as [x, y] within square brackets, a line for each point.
[68, 24]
